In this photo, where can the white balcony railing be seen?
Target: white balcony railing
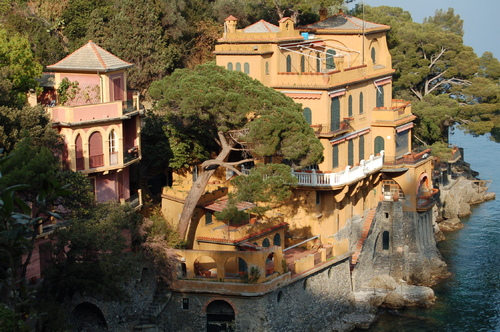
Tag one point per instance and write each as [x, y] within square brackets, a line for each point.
[348, 175]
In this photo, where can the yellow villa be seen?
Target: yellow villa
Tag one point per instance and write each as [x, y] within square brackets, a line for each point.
[371, 188]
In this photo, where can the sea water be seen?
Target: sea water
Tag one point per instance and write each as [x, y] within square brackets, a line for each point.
[469, 300]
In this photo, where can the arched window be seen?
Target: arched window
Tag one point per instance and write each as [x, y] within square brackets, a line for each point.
[307, 115]
[288, 64]
[350, 107]
[266, 243]
[350, 153]
[238, 66]
[335, 156]
[267, 68]
[361, 103]
[335, 114]
[330, 63]
[379, 144]
[277, 240]
[302, 64]
[361, 148]
[113, 148]
[246, 68]
[380, 96]
[373, 54]
[96, 155]
[230, 66]
[80, 160]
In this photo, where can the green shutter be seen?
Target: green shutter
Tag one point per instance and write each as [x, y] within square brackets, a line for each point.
[361, 106]
[318, 62]
[308, 115]
[335, 156]
[361, 148]
[373, 55]
[302, 64]
[288, 64]
[350, 107]
[350, 153]
[330, 63]
[335, 114]
[379, 144]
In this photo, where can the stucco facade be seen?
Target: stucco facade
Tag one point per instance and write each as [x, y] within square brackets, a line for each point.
[339, 69]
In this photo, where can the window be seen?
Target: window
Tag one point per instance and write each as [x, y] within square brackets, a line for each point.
[373, 55]
[267, 68]
[246, 68]
[277, 240]
[307, 115]
[238, 66]
[318, 62]
[318, 198]
[80, 160]
[385, 240]
[390, 188]
[335, 114]
[380, 96]
[402, 143]
[335, 156]
[361, 111]
[266, 243]
[302, 64]
[330, 63]
[379, 144]
[96, 155]
[350, 153]
[230, 66]
[113, 148]
[288, 64]
[361, 148]
[117, 89]
[208, 218]
[350, 107]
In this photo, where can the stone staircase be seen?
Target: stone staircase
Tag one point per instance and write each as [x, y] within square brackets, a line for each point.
[147, 322]
[364, 234]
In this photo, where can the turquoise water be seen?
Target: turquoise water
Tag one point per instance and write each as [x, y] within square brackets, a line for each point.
[470, 299]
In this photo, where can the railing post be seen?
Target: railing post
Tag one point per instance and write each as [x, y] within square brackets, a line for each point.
[314, 177]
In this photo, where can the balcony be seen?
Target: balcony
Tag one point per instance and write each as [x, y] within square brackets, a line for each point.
[349, 175]
[325, 130]
[427, 200]
[91, 112]
[412, 158]
[396, 113]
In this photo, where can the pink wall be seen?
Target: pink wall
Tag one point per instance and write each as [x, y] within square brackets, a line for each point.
[89, 90]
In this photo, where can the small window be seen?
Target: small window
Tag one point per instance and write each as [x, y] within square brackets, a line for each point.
[373, 54]
[335, 156]
[208, 218]
[318, 198]
[230, 66]
[185, 303]
[380, 96]
[246, 68]
[308, 115]
[361, 105]
[266, 243]
[350, 153]
[385, 240]
[318, 62]
[288, 64]
[238, 66]
[267, 68]
[361, 148]
[330, 62]
[349, 114]
[277, 240]
[302, 64]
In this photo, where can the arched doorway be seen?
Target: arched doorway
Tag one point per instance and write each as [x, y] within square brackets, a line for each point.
[220, 317]
[235, 267]
[88, 317]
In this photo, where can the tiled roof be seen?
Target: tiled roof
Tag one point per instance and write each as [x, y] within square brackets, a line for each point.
[342, 21]
[90, 58]
[261, 26]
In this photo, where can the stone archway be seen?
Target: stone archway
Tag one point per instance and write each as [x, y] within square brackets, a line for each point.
[220, 317]
[88, 317]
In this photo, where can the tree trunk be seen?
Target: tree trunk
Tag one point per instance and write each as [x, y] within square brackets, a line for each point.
[198, 189]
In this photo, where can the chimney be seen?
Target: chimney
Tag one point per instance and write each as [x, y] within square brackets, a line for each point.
[323, 13]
